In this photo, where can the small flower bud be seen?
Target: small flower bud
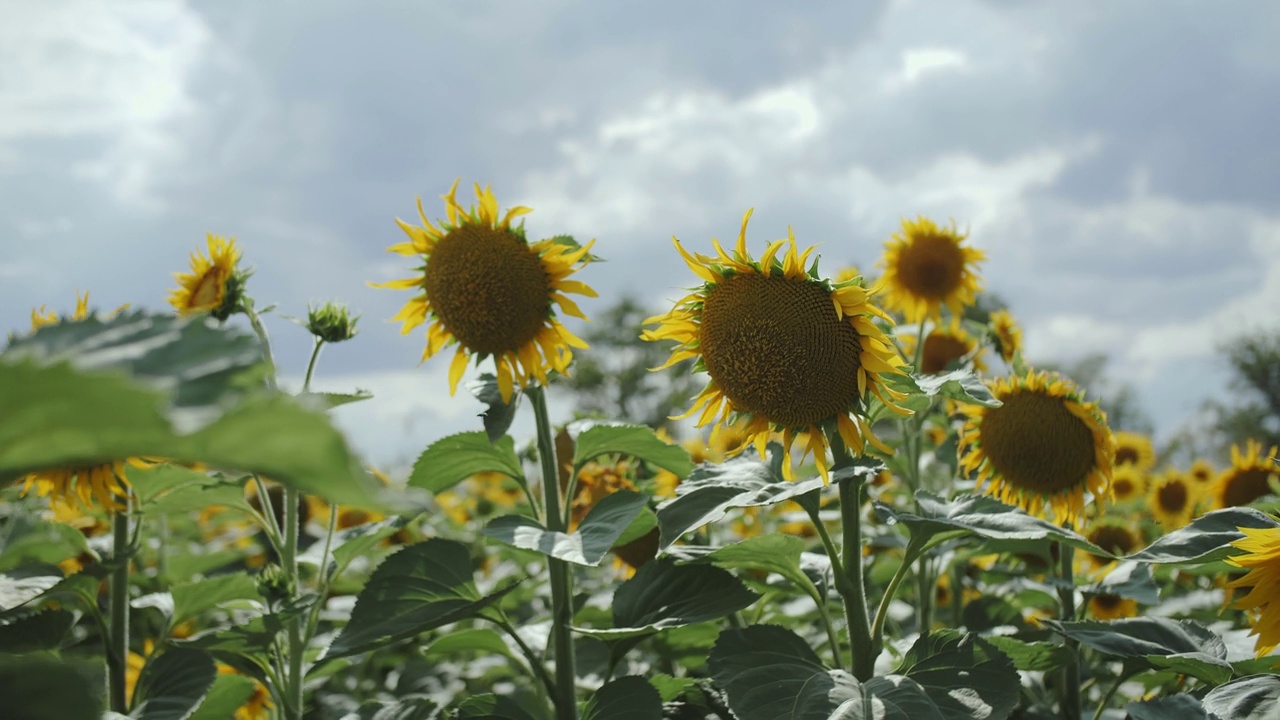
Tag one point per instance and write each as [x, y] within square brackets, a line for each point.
[331, 322]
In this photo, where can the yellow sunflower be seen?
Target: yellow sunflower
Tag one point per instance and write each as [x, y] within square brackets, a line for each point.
[1135, 449]
[1172, 499]
[205, 288]
[1112, 607]
[786, 351]
[1115, 537]
[1007, 334]
[943, 346]
[1261, 558]
[926, 266]
[1045, 445]
[1249, 477]
[1202, 472]
[1128, 483]
[483, 286]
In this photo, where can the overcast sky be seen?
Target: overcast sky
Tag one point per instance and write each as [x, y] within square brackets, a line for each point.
[1118, 162]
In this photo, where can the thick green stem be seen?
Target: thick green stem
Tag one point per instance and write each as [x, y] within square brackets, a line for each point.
[118, 658]
[297, 643]
[1069, 706]
[853, 589]
[561, 580]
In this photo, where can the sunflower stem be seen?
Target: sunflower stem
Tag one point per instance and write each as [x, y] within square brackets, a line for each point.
[297, 644]
[118, 658]
[853, 589]
[565, 695]
[536, 665]
[882, 611]
[255, 322]
[311, 364]
[1069, 707]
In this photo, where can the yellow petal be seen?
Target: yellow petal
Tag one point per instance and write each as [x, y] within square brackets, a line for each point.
[457, 368]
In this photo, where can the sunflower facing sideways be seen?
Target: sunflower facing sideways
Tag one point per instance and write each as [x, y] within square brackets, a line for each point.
[1261, 558]
[1043, 446]
[213, 285]
[926, 266]
[1007, 335]
[787, 352]
[484, 287]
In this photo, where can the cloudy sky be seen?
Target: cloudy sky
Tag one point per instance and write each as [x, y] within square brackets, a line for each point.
[1117, 161]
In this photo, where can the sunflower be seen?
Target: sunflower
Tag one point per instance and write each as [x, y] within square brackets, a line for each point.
[258, 706]
[1044, 445]
[1172, 498]
[595, 483]
[786, 351]
[205, 288]
[482, 286]
[942, 347]
[1007, 334]
[1202, 472]
[1248, 478]
[927, 266]
[1135, 449]
[1115, 537]
[1128, 483]
[1112, 607]
[1261, 558]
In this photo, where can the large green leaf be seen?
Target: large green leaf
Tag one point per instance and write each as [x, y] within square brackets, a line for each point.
[499, 415]
[965, 676]
[626, 698]
[637, 441]
[421, 587]
[598, 532]
[1181, 645]
[711, 489]
[1206, 539]
[450, 460]
[480, 640]
[1173, 707]
[225, 696]
[29, 541]
[664, 595]
[1040, 656]
[1256, 697]
[176, 490]
[771, 553]
[173, 684]
[414, 707]
[496, 707]
[962, 385]
[33, 687]
[43, 630]
[192, 598]
[1128, 579]
[983, 516]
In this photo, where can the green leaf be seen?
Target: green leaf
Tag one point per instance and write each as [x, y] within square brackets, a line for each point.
[332, 400]
[421, 587]
[961, 385]
[414, 707]
[1173, 707]
[1032, 656]
[1128, 579]
[983, 516]
[965, 676]
[1206, 539]
[40, 688]
[1250, 698]
[646, 521]
[225, 696]
[173, 684]
[626, 698]
[18, 591]
[30, 541]
[499, 415]
[494, 707]
[1183, 645]
[598, 532]
[637, 441]
[710, 490]
[353, 542]
[192, 598]
[664, 595]
[670, 688]
[771, 553]
[450, 460]
[42, 630]
[1211, 670]
[482, 640]
[175, 490]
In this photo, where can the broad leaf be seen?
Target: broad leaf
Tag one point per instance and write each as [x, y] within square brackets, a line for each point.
[711, 489]
[173, 684]
[963, 675]
[598, 532]
[626, 698]
[495, 707]
[1182, 645]
[1128, 579]
[332, 400]
[226, 695]
[43, 630]
[192, 598]
[1206, 539]
[637, 441]
[961, 385]
[450, 460]
[983, 516]
[30, 541]
[1173, 707]
[771, 553]
[481, 640]
[34, 687]
[419, 588]
[1028, 656]
[414, 707]
[499, 415]
[1256, 697]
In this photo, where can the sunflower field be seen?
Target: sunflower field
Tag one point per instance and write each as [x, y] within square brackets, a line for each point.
[877, 509]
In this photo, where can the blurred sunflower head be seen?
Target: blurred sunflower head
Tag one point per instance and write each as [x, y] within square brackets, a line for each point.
[1261, 559]
[927, 266]
[1114, 536]
[1111, 607]
[1043, 446]
[1007, 334]
[214, 284]
[942, 347]
[1172, 498]
[483, 286]
[1128, 483]
[787, 351]
[1202, 472]
[1249, 478]
[1135, 449]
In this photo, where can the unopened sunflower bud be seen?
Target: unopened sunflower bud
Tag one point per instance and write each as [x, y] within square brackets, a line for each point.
[274, 585]
[332, 322]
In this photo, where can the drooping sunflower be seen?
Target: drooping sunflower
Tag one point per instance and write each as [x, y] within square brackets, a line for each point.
[211, 284]
[1128, 483]
[1261, 558]
[1007, 334]
[943, 346]
[1111, 607]
[483, 286]
[1135, 449]
[787, 352]
[1172, 499]
[927, 266]
[1249, 477]
[1045, 445]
